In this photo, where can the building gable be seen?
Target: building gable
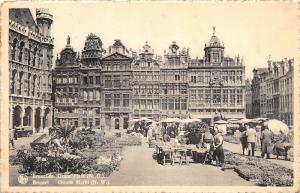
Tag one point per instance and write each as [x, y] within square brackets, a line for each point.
[116, 56]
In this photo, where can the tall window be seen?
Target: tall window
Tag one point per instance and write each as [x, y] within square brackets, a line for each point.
[215, 57]
[98, 80]
[85, 95]
[126, 100]
[232, 96]
[136, 104]
[177, 104]
[91, 79]
[164, 104]
[34, 56]
[85, 80]
[207, 96]
[21, 48]
[107, 100]
[171, 104]
[14, 49]
[225, 96]
[97, 95]
[91, 96]
[183, 104]
[116, 100]
[193, 79]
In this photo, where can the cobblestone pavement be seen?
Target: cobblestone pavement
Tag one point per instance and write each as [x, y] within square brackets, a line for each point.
[139, 168]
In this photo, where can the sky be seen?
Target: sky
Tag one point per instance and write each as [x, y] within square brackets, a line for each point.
[255, 31]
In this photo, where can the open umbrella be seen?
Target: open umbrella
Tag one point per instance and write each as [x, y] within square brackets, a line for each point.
[221, 122]
[277, 126]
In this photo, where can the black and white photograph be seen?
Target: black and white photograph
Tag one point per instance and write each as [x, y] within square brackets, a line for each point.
[149, 94]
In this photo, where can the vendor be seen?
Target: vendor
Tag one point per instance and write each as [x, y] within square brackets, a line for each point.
[266, 141]
[218, 154]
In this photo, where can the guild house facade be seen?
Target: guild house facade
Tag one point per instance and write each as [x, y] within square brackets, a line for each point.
[106, 89]
[216, 84]
[272, 91]
[30, 70]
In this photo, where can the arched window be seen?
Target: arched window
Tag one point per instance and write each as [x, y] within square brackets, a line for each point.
[21, 48]
[14, 48]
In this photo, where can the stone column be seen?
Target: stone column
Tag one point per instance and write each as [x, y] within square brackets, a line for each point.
[33, 120]
[41, 119]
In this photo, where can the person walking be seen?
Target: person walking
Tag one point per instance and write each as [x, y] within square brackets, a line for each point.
[266, 140]
[218, 154]
[243, 139]
[251, 139]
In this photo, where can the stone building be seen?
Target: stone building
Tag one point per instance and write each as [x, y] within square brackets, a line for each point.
[117, 87]
[66, 86]
[255, 89]
[216, 84]
[272, 91]
[146, 84]
[30, 69]
[174, 83]
[248, 98]
[78, 84]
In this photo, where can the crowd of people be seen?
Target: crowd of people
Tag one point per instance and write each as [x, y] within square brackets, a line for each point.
[256, 135]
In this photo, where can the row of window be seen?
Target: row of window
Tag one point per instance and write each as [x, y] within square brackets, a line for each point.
[114, 100]
[116, 83]
[174, 104]
[146, 104]
[91, 95]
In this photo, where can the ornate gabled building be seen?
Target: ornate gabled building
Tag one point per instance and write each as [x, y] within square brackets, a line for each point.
[66, 86]
[146, 84]
[174, 83]
[78, 84]
[216, 84]
[30, 69]
[90, 82]
[117, 87]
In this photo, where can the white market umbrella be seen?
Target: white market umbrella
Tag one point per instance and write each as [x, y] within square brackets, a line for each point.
[221, 122]
[190, 120]
[277, 126]
[243, 121]
[232, 120]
